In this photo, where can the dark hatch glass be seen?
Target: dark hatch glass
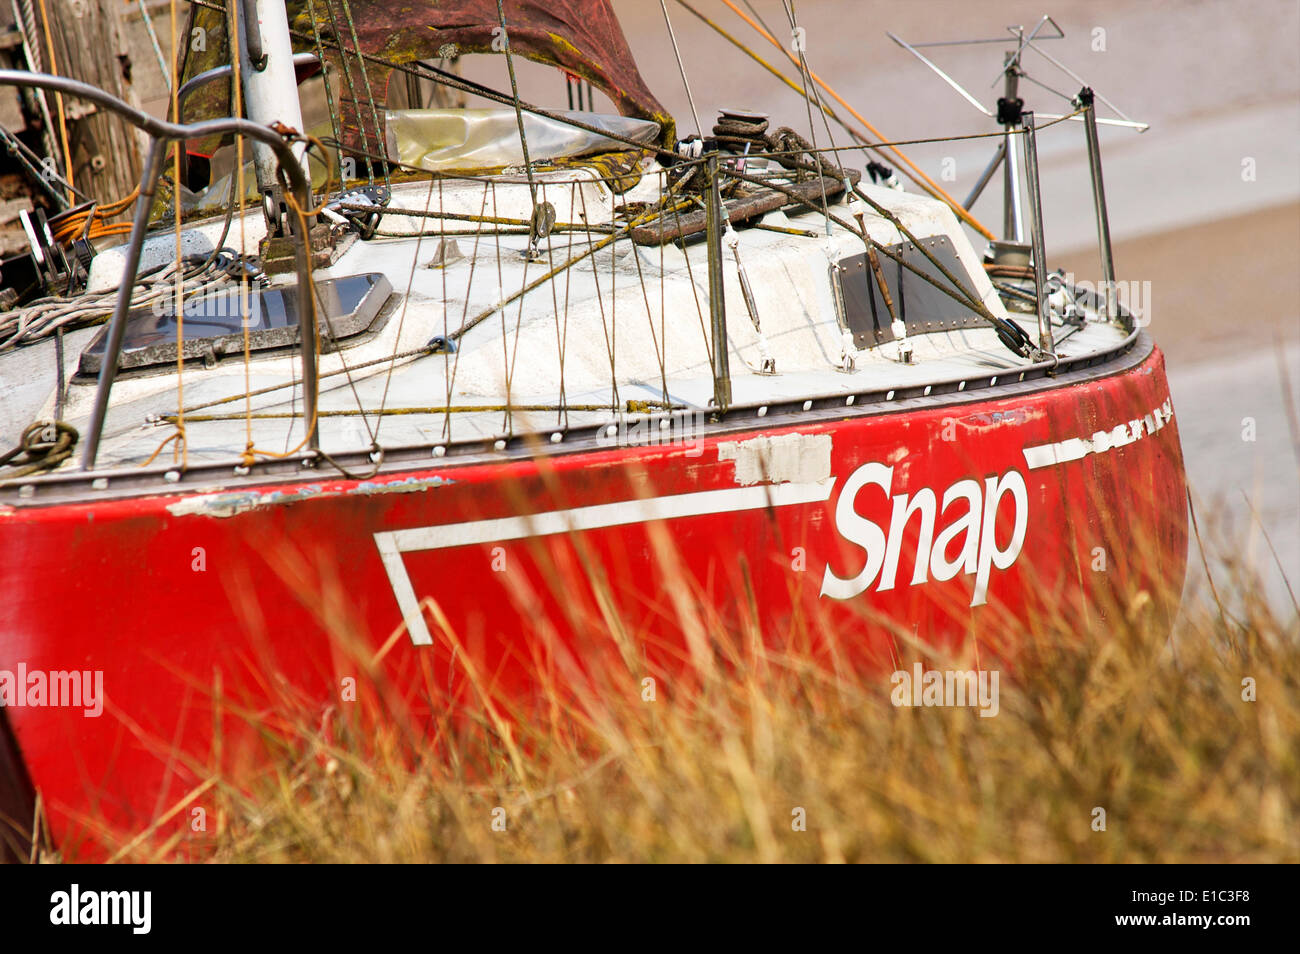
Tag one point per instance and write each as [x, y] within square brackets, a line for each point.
[350, 308]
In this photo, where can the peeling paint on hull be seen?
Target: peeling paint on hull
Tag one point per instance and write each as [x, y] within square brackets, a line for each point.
[785, 458]
[232, 504]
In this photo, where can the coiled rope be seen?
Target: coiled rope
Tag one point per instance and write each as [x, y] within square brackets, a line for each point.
[44, 445]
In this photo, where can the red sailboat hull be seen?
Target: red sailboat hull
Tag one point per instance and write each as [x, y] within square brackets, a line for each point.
[957, 520]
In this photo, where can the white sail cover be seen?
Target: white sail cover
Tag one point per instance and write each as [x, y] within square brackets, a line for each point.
[440, 140]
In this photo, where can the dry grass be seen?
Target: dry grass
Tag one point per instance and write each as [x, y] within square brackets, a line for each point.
[1154, 731]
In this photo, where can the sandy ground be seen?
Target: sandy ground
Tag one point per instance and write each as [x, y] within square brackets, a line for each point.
[1223, 302]
[1225, 307]
[1217, 290]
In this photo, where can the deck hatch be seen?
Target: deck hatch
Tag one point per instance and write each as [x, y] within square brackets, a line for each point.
[351, 308]
[923, 308]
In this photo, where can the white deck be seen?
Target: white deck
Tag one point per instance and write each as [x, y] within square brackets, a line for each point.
[629, 323]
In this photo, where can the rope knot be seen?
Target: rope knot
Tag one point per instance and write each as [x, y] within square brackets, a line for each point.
[44, 445]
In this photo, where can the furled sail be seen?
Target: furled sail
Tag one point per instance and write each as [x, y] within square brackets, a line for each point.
[582, 37]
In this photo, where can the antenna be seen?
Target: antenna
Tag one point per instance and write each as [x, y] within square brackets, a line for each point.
[1010, 108]
[1014, 62]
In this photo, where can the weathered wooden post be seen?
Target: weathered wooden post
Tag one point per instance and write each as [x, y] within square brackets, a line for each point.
[84, 40]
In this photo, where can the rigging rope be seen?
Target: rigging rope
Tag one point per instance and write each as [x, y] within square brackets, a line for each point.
[681, 67]
[519, 113]
[818, 163]
[92, 222]
[821, 107]
[58, 98]
[153, 39]
[44, 445]
[1006, 328]
[406, 299]
[805, 74]
[915, 174]
[370, 95]
[329, 93]
[352, 90]
[44, 317]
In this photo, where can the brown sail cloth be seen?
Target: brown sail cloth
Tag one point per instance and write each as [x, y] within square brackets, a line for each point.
[580, 36]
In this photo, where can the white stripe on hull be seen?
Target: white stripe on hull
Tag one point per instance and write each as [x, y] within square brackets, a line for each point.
[1121, 435]
[392, 544]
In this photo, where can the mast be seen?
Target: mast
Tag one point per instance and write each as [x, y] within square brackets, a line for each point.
[270, 87]
[270, 90]
[1009, 115]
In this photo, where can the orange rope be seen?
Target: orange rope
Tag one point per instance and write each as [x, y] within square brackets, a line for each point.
[70, 226]
[251, 451]
[95, 232]
[916, 175]
[58, 100]
[158, 449]
[249, 456]
[110, 209]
